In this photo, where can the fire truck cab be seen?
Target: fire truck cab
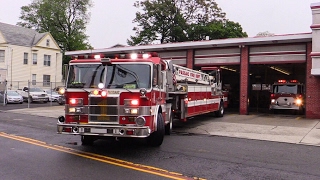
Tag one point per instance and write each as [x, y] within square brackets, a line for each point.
[133, 96]
[287, 95]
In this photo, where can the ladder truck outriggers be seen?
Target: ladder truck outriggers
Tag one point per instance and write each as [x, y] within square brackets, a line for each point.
[135, 95]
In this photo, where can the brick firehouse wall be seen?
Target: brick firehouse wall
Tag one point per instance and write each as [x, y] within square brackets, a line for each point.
[190, 58]
[312, 89]
[244, 80]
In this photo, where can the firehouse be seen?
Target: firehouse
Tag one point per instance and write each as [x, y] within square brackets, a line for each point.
[138, 95]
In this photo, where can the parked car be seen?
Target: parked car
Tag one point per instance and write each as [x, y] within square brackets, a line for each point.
[61, 100]
[60, 90]
[11, 97]
[35, 94]
[53, 95]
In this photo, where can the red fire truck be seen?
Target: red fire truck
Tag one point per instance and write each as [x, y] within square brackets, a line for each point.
[134, 95]
[287, 95]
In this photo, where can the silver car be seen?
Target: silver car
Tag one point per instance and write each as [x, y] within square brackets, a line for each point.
[12, 97]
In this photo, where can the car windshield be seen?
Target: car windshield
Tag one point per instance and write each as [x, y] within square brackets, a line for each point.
[12, 93]
[52, 92]
[289, 89]
[128, 76]
[35, 89]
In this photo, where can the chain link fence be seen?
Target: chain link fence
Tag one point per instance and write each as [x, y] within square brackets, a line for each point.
[31, 91]
[19, 85]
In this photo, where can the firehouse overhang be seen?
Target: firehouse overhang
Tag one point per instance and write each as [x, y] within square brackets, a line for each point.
[239, 42]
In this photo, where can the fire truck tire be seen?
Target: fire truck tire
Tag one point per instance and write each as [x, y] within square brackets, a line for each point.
[168, 127]
[220, 112]
[87, 140]
[156, 138]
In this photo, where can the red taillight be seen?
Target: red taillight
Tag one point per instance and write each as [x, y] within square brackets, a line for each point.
[134, 102]
[272, 95]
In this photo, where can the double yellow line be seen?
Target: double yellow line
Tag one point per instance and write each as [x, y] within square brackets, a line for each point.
[101, 158]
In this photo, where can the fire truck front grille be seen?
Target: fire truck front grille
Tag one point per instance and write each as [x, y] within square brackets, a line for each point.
[104, 110]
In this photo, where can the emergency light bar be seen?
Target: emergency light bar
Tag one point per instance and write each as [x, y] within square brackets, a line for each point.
[285, 81]
[116, 56]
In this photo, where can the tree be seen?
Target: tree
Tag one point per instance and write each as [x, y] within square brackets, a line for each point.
[65, 19]
[181, 20]
[264, 34]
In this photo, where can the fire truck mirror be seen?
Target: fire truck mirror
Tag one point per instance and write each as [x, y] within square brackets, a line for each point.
[160, 75]
[155, 76]
[65, 71]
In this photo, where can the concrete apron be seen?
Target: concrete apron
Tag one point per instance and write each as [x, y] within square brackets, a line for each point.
[278, 128]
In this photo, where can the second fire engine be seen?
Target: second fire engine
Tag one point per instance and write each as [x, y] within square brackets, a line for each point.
[134, 95]
[287, 95]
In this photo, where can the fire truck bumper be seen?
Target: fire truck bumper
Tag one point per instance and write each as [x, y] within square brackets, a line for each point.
[292, 107]
[104, 130]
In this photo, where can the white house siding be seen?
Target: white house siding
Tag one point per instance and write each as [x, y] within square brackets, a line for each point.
[22, 73]
[2, 39]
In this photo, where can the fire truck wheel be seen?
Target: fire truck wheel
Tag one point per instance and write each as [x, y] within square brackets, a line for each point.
[168, 128]
[156, 138]
[87, 140]
[220, 112]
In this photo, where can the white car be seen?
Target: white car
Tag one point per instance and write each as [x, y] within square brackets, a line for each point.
[12, 97]
[53, 95]
[34, 94]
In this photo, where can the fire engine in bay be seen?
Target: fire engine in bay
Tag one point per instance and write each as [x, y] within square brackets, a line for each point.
[134, 96]
[287, 95]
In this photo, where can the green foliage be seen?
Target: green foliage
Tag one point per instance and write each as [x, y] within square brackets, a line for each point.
[65, 19]
[167, 21]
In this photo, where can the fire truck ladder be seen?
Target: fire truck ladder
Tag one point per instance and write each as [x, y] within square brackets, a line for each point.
[188, 75]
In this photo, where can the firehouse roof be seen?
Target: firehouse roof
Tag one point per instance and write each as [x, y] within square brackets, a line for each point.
[20, 36]
[287, 38]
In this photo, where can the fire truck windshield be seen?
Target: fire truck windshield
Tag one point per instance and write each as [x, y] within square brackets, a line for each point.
[85, 75]
[128, 76]
[288, 89]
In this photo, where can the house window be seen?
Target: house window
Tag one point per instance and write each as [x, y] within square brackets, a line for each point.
[34, 77]
[48, 42]
[46, 61]
[34, 58]
[25, 58]
[46, 80]
[2, 55]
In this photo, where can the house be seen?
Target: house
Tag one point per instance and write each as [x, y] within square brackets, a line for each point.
[28, 56]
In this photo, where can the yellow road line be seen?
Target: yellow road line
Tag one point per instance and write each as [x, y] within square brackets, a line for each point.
[101, 158]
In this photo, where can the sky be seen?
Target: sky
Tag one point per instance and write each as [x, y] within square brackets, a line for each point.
[111, 20]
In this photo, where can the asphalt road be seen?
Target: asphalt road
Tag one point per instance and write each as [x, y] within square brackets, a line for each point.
[31, 149]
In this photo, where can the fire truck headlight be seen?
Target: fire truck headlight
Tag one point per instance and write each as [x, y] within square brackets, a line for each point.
[140, 121]
[100, 85]
[75, 110]
[273, 101]
[134, 111]
[298, 102]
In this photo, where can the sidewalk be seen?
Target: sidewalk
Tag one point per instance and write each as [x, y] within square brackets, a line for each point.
[278, 128]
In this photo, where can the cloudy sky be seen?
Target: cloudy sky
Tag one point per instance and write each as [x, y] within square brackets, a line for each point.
[111, 20]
